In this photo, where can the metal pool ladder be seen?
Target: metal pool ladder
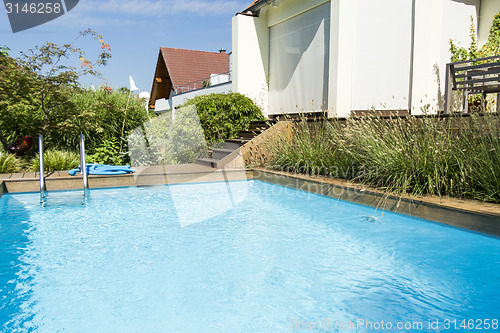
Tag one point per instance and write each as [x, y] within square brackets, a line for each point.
[83, 168]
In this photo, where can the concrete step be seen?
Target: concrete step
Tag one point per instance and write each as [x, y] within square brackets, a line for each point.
[263, 122]
[207, 162]
[219, 154]
[258, 126]
[219, 150]
[248, 134]
[239, 142]
[216, 145]
[232, 145]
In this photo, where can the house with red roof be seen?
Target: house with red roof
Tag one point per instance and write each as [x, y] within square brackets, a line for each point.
[350, 57]
[182, 74]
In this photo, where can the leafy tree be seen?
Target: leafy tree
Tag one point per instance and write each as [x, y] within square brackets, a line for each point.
[39, 93]
[36, 89]
[16, 99]
[100, 118]
[490, 48]
[54, 80]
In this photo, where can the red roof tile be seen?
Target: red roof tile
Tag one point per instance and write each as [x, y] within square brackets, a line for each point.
[253, 3]
[186, 66]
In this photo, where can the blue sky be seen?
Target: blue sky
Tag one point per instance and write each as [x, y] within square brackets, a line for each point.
[135, 30]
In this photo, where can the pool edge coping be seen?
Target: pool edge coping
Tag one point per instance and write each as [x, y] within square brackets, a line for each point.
[18, 183]
[427, 208]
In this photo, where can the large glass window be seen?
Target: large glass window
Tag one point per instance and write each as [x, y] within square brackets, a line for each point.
[299, 56]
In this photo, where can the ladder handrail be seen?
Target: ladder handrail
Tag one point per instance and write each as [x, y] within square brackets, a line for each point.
[83, 164]
[41, 167]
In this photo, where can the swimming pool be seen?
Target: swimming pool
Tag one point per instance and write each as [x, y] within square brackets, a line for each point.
[243, 256]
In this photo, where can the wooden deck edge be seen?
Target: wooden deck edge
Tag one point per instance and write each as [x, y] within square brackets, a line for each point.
[468, 216]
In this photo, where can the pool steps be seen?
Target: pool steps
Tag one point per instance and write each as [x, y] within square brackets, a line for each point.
[219, 152]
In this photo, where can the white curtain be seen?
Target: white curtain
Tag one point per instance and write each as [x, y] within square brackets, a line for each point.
[299, 56]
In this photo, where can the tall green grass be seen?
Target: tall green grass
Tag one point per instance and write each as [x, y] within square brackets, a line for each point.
[456, 157]
[56, 160]
[9, 163]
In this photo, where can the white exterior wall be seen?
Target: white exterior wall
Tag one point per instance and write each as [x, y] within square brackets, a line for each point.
[250, 58]
[342, 34]
[436, 21]
[381, 65]
[370, 50]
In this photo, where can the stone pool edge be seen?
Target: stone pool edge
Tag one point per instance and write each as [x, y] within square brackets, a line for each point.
[466, 214]
[60, 181]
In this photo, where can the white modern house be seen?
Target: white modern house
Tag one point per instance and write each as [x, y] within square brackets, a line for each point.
[346, 57]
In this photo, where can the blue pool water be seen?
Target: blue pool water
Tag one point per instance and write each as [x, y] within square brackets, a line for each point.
[257, 258]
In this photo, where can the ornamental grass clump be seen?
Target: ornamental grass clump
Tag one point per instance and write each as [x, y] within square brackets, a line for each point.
[314, 148]
[457, 157]
[56, 160]
[9, 163]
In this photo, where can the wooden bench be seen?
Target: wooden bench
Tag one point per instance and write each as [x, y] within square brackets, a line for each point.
[477, 76]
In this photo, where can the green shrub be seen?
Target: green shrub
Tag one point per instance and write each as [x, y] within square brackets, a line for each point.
[420, 156]
[99, 117]
[9, 163]
[488, 49]
[56, 160]
[222, 116]
[168, 141]
[108, 152]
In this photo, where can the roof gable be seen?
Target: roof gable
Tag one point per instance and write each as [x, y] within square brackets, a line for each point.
[186, 66]
[186, 69]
